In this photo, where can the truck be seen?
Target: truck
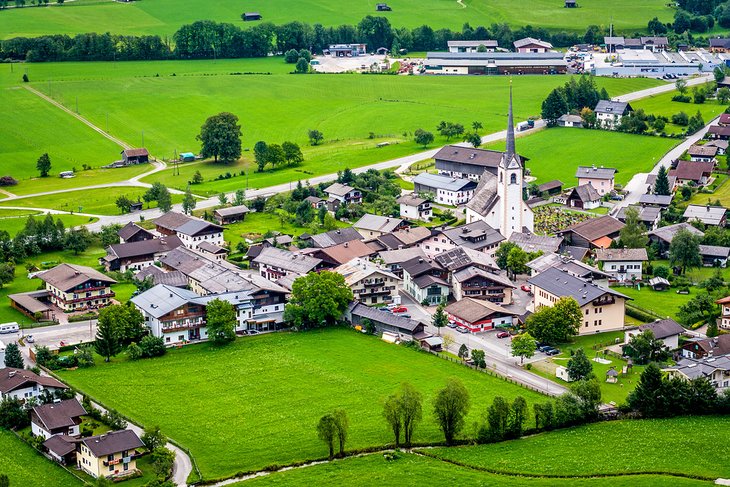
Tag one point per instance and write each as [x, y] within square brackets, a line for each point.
[522, 126]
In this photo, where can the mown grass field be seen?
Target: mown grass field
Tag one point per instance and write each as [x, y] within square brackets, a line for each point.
[673, 446]
[163, 17]
[25, 466]
[664, 303]
[257, 401]
[13, 225]
[257, 224]
[663, 105]
[411, 469]
[556, 153]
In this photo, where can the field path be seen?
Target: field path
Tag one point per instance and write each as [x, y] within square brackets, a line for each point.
[78, 117]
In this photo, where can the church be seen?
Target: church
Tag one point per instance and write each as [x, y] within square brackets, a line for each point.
[498, 198]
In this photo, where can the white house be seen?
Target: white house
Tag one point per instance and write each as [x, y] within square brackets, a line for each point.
[446, 190]
[274, 263]
[415, 207]
[24, 384]
[622, 264]
[57, 418]
[190, 230]
[530, 44]
[609, 113]
[667, 331]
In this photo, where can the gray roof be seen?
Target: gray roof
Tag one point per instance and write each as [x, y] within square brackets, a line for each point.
[212, 248]
[143, 247]
[425, 280]
[571, 118]
[714, 251]
[621, 255]
[508, 58]
[401, 255]
[232, 210]
[470, 155]
[554, 184]
[411, 199]
[702, 150]
[647, 214]
[335, 237]
[61, 445]
[709, 215]
[473, 310]
[446, 183]
[655, 199]
[162, 299]
[704, 367]
[586, 193]
[473, 271]
[461, 257]
[561, 284]
[359, 309]
[529, 242]
[663, 328]
[658, 280]
[171, 278]
[113, 442]
[531, 40]
[196, 227]
[338, 189]
[615, 40]
[485, 194]
[130, 230]
[477, 43]
[475, 235]
[667, 233]
[612, 107]
[565, 263]
[67, 276]
[594, 172]
[419, 266]
[284, 259]
[378, 223]
[171, 220]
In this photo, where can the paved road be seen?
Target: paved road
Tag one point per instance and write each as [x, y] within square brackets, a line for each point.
[658, 90]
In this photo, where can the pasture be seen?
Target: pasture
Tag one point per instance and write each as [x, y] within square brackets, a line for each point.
[164, 17]
[25, 466]
[256, 402]
[557, 152]
[670, 446]
[663, 105]
[664, 303]
[413, 469]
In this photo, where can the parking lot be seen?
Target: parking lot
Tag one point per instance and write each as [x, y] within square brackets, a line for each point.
[332, 64]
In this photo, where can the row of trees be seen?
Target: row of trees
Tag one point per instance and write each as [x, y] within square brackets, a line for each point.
[37, 236]
[275, 155]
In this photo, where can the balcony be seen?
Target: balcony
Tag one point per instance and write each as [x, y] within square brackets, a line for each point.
[373, 283]
[109, 295]
[183, 325]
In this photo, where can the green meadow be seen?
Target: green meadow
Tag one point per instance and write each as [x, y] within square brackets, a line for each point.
[663, 105]
[256, 402]
[25, 466]
[164, 17]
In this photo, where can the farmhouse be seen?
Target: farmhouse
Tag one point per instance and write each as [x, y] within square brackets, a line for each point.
[75, 287]
[602, 178]
[476, 236]
[584, 196]
[622, 264]
[131, 157]
[714, 255]
[445, 189]
[495, 63]
[109, 455]
[609, 113]
[274, 263]
[709, 215]
[479, 315]
[385, 322]
[133, 233]
[668, 331]
[369, 283]
[371, 226]
[415, 207]
[189, 229]
[719, 44]
[664, 235]
[232, 214]
[593, 233]
[57, 418]
[472, 46]
[425, 281]
[26, 384]
[136, 256]
[702, 153]
[530, 44]
[602, 308]
[568, 120]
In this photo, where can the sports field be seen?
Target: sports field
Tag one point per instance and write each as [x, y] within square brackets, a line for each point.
[556, 153]
[674, 446]
[412, 469]
[257, 401]
[25, 466]
[164, 17]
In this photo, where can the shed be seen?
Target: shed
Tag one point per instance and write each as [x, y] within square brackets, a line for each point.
[230, 215]
[434, 344]
[612, 375]
[571, 4]
[251, 16]
[659, 284]
[187, 156]
[135, 156]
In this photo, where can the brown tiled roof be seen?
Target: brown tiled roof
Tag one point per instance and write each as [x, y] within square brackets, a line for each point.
[663, 328]
[473, 310]
[596, 228]
[114, 442]
[702, 150]
[59, 414]
[694, 171]
[172, 220]
[718, 130]
[67, 276]
[130, 230]
[12, 379]
[145, 247]
[136, 152]
[61, 445]
[345, 252]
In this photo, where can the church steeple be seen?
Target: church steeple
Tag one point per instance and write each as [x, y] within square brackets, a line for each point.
[510, 128]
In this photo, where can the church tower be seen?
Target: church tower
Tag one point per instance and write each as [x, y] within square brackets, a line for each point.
[509, 184]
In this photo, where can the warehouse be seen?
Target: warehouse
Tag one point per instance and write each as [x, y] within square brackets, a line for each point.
[495, 63]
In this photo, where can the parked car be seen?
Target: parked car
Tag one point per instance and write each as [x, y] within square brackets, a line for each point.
[553, 351]
[503, 334]
[451, 324]
[253, 332]
[29, 339]
[526, 288]
[545, 348]
[462, 329]
[399, 309]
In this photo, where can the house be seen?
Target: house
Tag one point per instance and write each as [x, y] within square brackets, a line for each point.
[660, 200]
[692, 173]
[569, 264]
[57, 418]
[467, 162]
[707, 347]
[714, 255]
[232, 214]
[529, 242]
[584, 196]
[33, 304]
[445, 189]
[667, 331]
[274, 263]
[75, 287]
[171, 313]
[334, 237]
[716, 132]
[709, 215]
[655, 43]
[476, 236]
[593, 233]
[371, 226]
[316, 202]
[212, 251]
[251, 16]
[478, 315]
[724, 321]
[659, 284]
[346, 50]
[401, 239]
[722, 145]
[551, 187]
[702, 153]
[426, 281]
[133, 233]
[498, 200]
[432, 343]
[62, 449]
[393, 260]
[622, 264]
[474, 274]
[189, 229]
[716, 369]
[609, 113]
[602, 178]
[663, 236]
[135, 156]
[340, 254]
[343, 193]
[369, 283]
[614, 42]
[25, 384]
[385, 322]
[472, 46]
[719, 44]
[568, 120]
[649, 216]
[135, 256]
[530, 44]
[109, 455]
[415, 207]
[603, 309]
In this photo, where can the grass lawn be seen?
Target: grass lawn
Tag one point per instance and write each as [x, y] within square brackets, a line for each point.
[632, 446]
[556, 153]
[410, 469]
[81, 178]
[99, 201]
[25, 466]
[165, 16]
[257, 224]
[663, 105]
[270, 390]
[722, 193]
[664, 303]
[13, 225]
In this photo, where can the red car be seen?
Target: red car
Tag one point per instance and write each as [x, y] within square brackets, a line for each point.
[526, 288]
[399, 309]
[503, 334]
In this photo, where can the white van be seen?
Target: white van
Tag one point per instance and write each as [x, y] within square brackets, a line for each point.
[9, 328]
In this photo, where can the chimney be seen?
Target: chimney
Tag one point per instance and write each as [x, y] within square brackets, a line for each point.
[420, 260]
[11, 374]
[347, 244]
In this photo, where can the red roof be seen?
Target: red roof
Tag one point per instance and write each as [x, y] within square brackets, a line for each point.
[725, 119]
[136, 152]
[693, 171]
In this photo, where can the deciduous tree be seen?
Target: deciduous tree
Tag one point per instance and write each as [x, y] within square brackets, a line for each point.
[77, 241]
[153, 438]
[523, 346]
[315, 137]
[450, 408]
[342, 424]
[188, 203]
[684, 251]
[220, 137]
[633, 234]
[556, 324]
[318, 299]
[44, 165]
[221, 321]
[327, 432]
[579, 367]
[423, 137]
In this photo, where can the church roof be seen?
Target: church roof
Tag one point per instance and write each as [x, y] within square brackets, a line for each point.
[485, 194]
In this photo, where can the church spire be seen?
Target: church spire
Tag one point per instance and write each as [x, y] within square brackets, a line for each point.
[510, 128]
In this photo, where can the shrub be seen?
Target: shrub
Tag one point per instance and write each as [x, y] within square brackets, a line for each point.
[680, 118]
[8, 181]
[682, 98]
[151, 346]
[134, 351]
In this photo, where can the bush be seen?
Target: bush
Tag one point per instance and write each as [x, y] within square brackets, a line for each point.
[85, 357]
[639, 314]
[134, 351]
[8, 181]
[151, 346]
[682, 99]
[680, 118]
[91, 315]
